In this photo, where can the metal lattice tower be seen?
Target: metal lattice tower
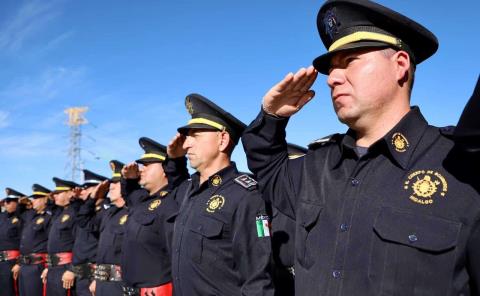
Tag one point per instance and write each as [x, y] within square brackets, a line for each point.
[75, 120]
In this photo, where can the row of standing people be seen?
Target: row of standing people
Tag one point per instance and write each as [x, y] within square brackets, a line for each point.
[390, 207]
[159, 230]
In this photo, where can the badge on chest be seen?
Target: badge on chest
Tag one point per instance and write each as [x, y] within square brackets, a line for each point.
[425, 185]
[215, 203]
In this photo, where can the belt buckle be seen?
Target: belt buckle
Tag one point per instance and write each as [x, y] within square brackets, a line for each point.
[129, 291]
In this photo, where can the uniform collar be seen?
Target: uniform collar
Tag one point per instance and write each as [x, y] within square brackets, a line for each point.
[399, 143]
[160, 193]
[216, 179]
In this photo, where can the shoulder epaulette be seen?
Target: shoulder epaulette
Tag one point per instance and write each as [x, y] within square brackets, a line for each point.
[323, 141]
[447, 131]
[246, 182]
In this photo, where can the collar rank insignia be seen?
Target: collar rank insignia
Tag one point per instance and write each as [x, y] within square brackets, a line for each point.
[246, 182]
[123, 219]
[216, 180]
[163, 193]
[215, 203]
[154, 204]
[98, 208]
[106, 206]
[39, 221]
[65, 218]
[424, 185]
[400, 142]
[14, 220]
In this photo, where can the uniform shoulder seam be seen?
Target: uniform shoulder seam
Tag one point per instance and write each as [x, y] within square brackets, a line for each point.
[246, 182]
[324, 141]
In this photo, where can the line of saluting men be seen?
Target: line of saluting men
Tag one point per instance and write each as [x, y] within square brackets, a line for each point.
[391, 207]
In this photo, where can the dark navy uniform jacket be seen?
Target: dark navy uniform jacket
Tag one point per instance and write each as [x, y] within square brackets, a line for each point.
[403, 219]
[87, 231]
[112, 230]
[216, 248]
[146, 254]
[10, 230]
[62, 231]
[36, 226]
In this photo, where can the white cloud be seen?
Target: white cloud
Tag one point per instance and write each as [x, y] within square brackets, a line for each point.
[54, 81]
[29, 19]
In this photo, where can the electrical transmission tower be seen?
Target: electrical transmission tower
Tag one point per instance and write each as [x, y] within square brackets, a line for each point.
[75, 120]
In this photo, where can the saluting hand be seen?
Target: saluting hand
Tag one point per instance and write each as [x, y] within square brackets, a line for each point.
[130, 171]
[100, 191]
[291, 94]
[175, 147]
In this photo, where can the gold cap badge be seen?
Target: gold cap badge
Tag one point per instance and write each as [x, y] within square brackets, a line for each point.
[216, 180]
[215, 203]
[154, 204]
[400, 142]
[189, 106]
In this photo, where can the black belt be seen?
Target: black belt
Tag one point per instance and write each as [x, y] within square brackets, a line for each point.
[32, 259]
[108, 273]
[83, 271]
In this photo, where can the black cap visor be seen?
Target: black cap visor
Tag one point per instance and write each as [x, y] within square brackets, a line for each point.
[184, 129]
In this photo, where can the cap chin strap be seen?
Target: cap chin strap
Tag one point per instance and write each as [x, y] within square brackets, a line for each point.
[361, 36]
[207, 122]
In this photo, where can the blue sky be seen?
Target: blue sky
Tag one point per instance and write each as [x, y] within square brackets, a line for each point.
[133, 65]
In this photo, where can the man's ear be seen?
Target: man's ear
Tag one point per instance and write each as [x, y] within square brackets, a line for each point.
[402, 59]
[224, 141]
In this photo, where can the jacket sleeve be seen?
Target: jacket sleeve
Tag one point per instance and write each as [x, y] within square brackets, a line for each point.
[473, 257]
[132, 192]
[176, 171]
[252, 249]
[86, 216]
[266, 149]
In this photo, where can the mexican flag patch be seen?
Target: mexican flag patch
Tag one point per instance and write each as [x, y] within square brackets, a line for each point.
[263, 226]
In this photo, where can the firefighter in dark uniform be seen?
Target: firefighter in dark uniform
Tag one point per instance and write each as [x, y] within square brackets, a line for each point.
[389, 207]
[58, 275]
[10, 230]
[33, 243]
[283, 241]
[108, 273]
[146, 253]
[221, 243]
[87, 231]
